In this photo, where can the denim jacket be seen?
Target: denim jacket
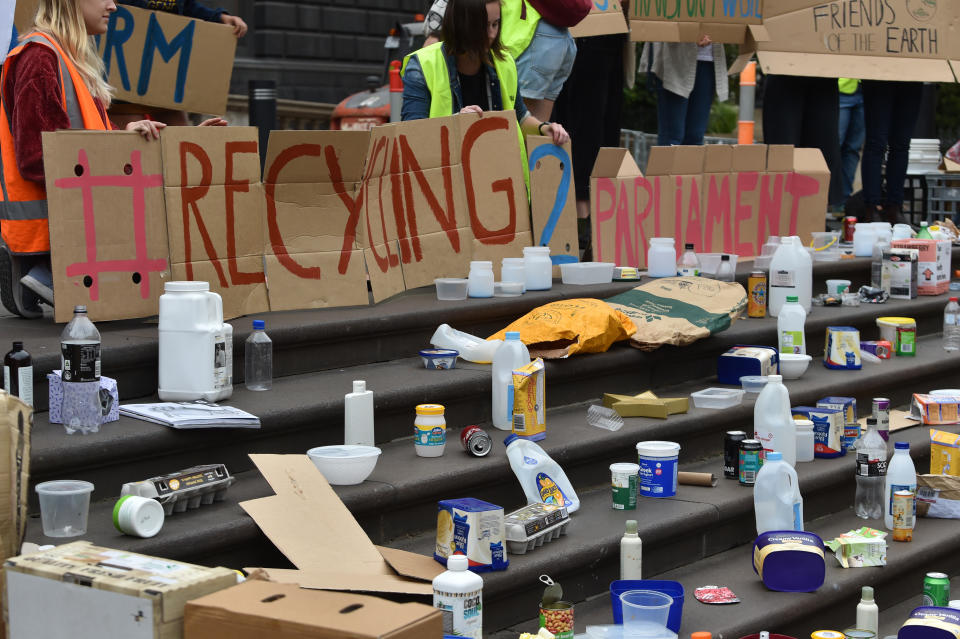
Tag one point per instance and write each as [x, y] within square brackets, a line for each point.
[416, 95]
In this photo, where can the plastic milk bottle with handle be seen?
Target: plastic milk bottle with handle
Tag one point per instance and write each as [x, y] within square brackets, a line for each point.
[541, 478]
[777, 503]
[510, 355]
[773, 424]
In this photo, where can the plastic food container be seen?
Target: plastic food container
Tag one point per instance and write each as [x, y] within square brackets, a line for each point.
[901, 332]
[717, 397]
[794, 365]
[931, 622]
[658, 468]
[507, 289]
[64, 506]
[644, 612]
[789, 560]
[439, 359]
[345, 465]
[587, 272]
[753, 383]
[710, 262]
[451, 288]
[673, 589]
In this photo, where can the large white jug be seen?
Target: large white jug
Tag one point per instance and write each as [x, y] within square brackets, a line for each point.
[196, 345]
[791, 273]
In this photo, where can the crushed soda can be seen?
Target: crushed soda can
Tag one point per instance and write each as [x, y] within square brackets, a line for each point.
[715, 595]
[476, 441]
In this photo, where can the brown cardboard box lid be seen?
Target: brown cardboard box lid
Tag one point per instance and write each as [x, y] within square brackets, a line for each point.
[749, 157]
[615, 162]
[688, 160]
[256, 609]
[780, 157]
[717, 158]
[660, 160]
[809, 161]
[949, 166]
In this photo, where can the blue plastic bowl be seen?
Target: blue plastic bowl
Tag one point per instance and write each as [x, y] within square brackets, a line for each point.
[671, 588]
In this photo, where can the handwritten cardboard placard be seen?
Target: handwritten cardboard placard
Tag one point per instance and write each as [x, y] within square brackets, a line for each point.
[605, 18]
[687, 20]
[719, 198]
[553, 199]
[168, 61]
[108, 229]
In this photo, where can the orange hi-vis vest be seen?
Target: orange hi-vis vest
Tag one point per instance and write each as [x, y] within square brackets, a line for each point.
[23, 207]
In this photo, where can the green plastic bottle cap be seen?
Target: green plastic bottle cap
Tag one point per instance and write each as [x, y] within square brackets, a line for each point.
[792, 298]
[867, 593]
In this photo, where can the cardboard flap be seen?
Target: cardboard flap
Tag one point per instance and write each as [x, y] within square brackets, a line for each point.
[758, 33]
[660, 160]
[352, 582]
[949, 166]
[615, 162]
[688, 160]
[780, 157]
[749, 157]
[410, 564]
[717, 158]
[601, 21]
[809, 160]
[828, 65]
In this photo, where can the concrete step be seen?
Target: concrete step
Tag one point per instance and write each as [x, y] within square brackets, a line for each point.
[892, 616]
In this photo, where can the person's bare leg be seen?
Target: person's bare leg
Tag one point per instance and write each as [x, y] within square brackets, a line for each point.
[540, 109]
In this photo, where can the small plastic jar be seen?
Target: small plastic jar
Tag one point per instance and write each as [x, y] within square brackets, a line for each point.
[804, 440]
[429, 430]
[512, 270]
[480, 280]
[661, 257]
[538, 268]
[138, 516]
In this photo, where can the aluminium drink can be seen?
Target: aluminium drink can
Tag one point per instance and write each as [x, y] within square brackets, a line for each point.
[731, 453]
[881, 413]
[903, 515]
[849, 226]
[750, 461]
[475, 441]
[936, 590]
[757, 294]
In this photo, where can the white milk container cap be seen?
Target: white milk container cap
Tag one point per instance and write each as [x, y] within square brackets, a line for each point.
[458, 563]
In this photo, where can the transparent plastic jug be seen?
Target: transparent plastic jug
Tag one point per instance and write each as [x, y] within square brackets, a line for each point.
[791, 273]
[773, 423]
[777, 503]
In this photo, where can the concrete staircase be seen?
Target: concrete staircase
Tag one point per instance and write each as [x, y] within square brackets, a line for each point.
[700, 537]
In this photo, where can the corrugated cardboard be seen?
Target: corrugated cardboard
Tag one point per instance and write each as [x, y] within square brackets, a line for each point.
[605, 18]
[719, 199]
[168, 60]
[102, 593]
[891, 40]
[258, 609]
[110, 248]
[933, 264]
[16, 424]
[337, 555]
[553, 199]
[680, 21]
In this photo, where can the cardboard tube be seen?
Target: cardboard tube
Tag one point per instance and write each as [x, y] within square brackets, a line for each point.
[697, 479]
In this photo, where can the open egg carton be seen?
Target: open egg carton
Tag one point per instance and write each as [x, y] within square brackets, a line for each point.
[186, 489]
[534, 524]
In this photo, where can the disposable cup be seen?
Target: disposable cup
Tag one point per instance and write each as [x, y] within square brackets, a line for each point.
[64, 505]
[645, 613]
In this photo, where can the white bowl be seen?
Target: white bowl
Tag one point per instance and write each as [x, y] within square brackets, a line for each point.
[345, 465]
[793, 366]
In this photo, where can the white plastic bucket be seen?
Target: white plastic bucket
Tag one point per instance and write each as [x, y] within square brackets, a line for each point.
[658, 468]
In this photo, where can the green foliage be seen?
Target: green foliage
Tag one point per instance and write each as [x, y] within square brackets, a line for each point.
[723, 118]
[947, 117]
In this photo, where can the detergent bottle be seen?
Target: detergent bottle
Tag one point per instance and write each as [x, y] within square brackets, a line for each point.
[541, 478]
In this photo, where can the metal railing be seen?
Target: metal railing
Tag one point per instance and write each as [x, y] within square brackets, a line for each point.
[639, 144]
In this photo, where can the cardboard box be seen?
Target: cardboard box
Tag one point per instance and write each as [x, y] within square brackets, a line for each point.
[933, 264]
[944, 453]
[99, 593]
[935, 409]
[679, 21]
[899, 270]
[259, 609]
[605, 18]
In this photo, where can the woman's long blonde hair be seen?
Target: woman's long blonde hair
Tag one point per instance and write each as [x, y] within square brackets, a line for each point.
[63, 20]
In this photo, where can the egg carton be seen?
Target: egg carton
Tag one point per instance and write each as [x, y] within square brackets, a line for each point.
[531, 526]
[186, 489]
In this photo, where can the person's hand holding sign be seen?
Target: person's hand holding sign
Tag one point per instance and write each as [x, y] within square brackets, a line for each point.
[239, 26]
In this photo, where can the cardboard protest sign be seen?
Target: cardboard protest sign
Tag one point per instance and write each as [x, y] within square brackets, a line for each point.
[720, 200]
[23, 14]
[215, 212]
[686, 20]
[108, 230]
[553, 200]
[169, 61]
[605, 18]
[890, 40]
[312, 254]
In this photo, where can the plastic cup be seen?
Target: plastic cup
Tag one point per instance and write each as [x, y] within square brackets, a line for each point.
[645, 613]
[64, 505]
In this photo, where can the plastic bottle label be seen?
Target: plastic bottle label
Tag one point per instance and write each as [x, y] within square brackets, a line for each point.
[791, 342]
[783, 279]
[81, 362]
[510, 393]
[430, 435]
[220, 377]
[550, 493]
[950, 319]
[798, 516]
[464, 610]
[688, 271]
[867, 467]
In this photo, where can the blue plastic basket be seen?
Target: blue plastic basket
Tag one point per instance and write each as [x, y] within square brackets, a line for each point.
[673, 589]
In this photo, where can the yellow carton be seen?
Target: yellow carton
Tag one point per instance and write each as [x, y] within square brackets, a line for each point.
[944, 453]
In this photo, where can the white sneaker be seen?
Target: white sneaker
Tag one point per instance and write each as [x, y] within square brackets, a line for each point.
[40, 280]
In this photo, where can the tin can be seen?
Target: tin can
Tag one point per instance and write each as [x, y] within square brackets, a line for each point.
[851, 433]
[749, 461]
[757, 294]
[731, 453]
[903, 517]
[849, 226]
[557, 617]
[827, 634]
[936, 590]
[859, 633]
[881, 413]
[476, 441]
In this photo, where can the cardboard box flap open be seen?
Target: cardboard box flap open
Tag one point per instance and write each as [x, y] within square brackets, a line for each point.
[717, 158]
[351, 582]
[809, 160]
[780, 157]
[606, 21]
[749, 157]
[688, 160]
[615, 162]
[660, 160]
[949, 166]
[829, 65]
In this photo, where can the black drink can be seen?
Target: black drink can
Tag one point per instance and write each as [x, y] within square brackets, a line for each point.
[731, 453]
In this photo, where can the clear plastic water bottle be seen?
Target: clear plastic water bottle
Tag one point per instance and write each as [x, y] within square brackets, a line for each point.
[258, 359]
[951, 325]
[725, 272]
[871, 472]
[689, 264]
[81, 409]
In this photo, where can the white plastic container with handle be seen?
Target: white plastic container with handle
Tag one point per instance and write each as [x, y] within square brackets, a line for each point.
[791, 273]
[542, 479]
[777, 503]
[773, 423]
[510, 355]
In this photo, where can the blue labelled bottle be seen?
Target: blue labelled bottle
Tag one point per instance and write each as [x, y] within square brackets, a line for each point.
[258, 359]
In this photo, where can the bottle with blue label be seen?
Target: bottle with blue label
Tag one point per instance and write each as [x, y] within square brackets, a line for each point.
[541, 478]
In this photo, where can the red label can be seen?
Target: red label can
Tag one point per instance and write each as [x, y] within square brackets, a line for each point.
[849, 225]
[476, 441]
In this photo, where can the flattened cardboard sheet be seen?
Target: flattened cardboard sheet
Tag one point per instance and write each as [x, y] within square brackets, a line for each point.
[605, 18]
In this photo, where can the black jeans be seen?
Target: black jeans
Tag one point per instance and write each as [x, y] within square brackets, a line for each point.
[804, 112]
[890, 111]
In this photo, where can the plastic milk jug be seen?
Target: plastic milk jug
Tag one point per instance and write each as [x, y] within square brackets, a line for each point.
[791, 273]
[541, 478]
[511, 355]
[773, 423]
[776, 496]
[196, 346]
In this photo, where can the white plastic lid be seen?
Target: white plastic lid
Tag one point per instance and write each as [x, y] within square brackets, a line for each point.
[485, 264]
[658, 449]
[458, 563]
[954, 603]
[359, 386]
[536, 250]
[186, 287]
[803, 424]
[774, 378]
[515, 261]
[625, 468]
[139, 516]
[661, 240]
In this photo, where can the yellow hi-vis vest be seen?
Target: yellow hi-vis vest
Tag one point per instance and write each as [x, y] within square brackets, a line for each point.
[433, 63]
[518, 22]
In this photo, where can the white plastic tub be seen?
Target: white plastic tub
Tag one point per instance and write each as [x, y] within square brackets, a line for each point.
[451, 288]
[717, 397]
[345, 465]
[587, 272]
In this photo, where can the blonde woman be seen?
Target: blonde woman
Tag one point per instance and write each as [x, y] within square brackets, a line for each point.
[53, 79]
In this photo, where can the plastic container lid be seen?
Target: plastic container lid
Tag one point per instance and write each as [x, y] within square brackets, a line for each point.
[804, 424]
[458, 563]
[774, 455]
[65, 487]
[512, 335]
[902, 446]
[625, 468]
[430, 409]
[483, 264]
[536, 250]
[259, 324]
[789, 560]
[510, 439]
[896, 321]
[792, 298]
[180, 287]
[688, 247]
[659, 450]
[140, 516]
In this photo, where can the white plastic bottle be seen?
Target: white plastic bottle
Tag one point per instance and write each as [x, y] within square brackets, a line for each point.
[480, 279]
[901, 475]
[459, 594]
[805, 440]
[541, 478]
[791, 273]
[725, 271]
[790, 327]
[951, 325]
[777, 503]
[631, 552]
[773, 424]
[358, 415]
[258, 359]
[510, 355]
[538, 268]
[868, 614]
[661, 257]
[689, 264]
[195, 344]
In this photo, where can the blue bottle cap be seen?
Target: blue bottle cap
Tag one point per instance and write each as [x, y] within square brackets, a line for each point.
[512, 335]
[774, 456]
[902, 445]
[510, 438]
[259, 324]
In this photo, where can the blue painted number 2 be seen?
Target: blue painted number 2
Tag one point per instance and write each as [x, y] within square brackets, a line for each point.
[560, 200]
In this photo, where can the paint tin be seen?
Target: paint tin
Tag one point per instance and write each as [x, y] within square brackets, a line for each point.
[903, 515]
[827, 634]
[731, 453]
[658, 468]
[476, 441]
[623, 481]
[749, 461]
[757, 294]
